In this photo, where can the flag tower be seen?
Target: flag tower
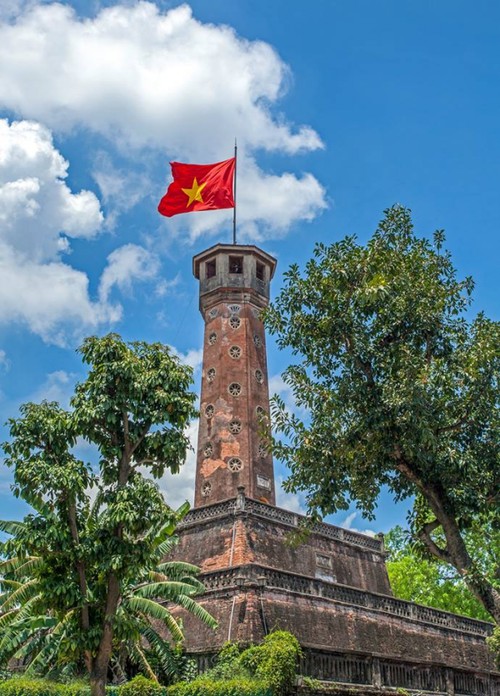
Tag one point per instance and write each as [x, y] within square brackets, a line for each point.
[234, 289]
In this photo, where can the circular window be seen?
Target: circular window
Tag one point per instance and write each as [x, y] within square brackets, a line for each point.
[212, 338]
[234, 322]
[208, 450]
[235, 426]
[206, 489]
[211, 374]
[235, 352]
[213, 312]
[262, 450]
[235, 464]
[259, 376]
[260, 412]
[234, 389]
[257, 340]
[209, 411]
[234, 308]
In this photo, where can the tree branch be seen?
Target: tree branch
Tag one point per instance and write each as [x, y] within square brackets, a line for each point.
[425, 535]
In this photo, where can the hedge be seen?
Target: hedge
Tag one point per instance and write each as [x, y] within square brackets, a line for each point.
[20, 686]
[227, 687]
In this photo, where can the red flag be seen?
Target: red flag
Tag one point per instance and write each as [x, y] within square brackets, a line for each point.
[199, 187]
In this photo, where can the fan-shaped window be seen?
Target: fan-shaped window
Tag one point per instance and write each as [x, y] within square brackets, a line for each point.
[234, 389]
[235, 426]
[235, 464]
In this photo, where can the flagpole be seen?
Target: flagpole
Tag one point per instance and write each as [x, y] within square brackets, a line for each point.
[234, 191]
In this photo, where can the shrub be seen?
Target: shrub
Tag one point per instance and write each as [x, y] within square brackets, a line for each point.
[226, 687]
[274, 661]
[20, 686]
[140, 686]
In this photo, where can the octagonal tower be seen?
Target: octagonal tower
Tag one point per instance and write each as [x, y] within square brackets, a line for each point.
[234, 289]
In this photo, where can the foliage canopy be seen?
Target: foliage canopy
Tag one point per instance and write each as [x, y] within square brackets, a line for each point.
[400, 387]
[87, 576]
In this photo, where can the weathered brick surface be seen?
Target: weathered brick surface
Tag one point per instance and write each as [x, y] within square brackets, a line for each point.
[234, 353]
[247, 615]
[250, 601]
[244, 538]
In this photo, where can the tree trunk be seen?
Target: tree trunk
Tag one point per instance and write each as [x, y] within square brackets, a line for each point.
[455, 553]
[98, 676]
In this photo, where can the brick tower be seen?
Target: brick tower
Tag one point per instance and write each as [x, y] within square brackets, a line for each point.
[332, 591]
[234, 288]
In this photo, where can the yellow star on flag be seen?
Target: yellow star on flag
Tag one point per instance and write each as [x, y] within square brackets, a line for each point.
[194, 193]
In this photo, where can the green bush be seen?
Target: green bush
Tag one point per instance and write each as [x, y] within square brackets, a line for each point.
[19, 686]
[274, 662]
[140, 686]
[226, 687]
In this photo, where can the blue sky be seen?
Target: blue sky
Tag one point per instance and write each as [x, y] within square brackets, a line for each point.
[341, 108]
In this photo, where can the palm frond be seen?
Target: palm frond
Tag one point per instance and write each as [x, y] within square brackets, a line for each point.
[166, 590]
[26, 591]
[197, 610]
[153, 610]
[12, 527]
[162, 650]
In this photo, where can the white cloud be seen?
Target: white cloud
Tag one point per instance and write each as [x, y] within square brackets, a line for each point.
[58, 386]
[180, 487]
[38, 211]
[348, 524]
[4, 362]
[121, 189]
[193, 357]
[288, 501]
[127, 263]
[143, 78]
[39, 214]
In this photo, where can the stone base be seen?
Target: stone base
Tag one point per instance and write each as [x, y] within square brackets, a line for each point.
[354, 632]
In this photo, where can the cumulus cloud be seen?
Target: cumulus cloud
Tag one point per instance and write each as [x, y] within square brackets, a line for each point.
[39, 215]
[121, 189]
[38, 211]
[148, 79]
[180, 487]
[125, 264]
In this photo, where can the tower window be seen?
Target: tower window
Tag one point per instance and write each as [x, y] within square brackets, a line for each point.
[235, 322]
[206, 489]
[259, 376]
[235, 426]
[209, 411]
[235, 352]
[260, 271]
[210, 268]
[211, 374]
[212, 338]
[235, 464]
[236, 264]
[234, 389]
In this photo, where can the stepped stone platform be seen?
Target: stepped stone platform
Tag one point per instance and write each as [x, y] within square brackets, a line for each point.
[333, 593]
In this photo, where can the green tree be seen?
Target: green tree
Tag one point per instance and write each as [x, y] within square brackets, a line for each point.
[133, 406]
[34, 632]
[425, 580]
[401, 388]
